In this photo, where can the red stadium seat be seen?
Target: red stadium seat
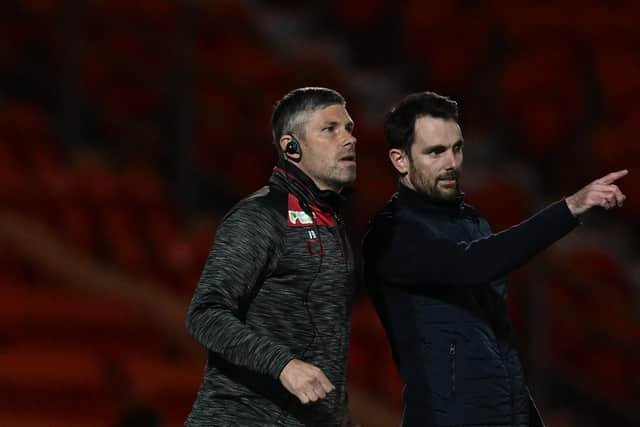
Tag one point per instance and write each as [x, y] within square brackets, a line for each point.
[124, 77]
[126, 247]
[142, 189]
[614, 148]
[156, 15]
[43, 8]
[97, 187]
[587, 336]
[543, 95]
[451, 42]
[617, 67]
[361, 14]
[601, 269]
[78, 226]
[502, 201]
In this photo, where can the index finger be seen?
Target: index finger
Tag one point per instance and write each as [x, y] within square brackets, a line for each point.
[613, 176]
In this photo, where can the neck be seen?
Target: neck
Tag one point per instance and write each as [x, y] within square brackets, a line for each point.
[322, 185]
[412, 193]
[294, 180]
[404, 180]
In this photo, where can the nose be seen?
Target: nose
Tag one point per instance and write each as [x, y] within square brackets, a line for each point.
[351, 140]
[453, 160]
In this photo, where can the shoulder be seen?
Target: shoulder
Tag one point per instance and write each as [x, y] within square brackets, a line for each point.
[385, 216]
[471, 211]
[264, 208]
[380, 225]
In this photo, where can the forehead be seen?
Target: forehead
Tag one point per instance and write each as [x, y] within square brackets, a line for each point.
[332, 113]
[435, 131]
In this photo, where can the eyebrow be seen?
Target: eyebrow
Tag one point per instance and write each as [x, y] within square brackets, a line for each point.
[334, 123]
[431, 148]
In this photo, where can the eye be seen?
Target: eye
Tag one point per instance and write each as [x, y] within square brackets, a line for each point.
[436, 152]
[328, 129]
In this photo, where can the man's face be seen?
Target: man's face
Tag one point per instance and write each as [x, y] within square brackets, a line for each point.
[435, 163]
[329, 148]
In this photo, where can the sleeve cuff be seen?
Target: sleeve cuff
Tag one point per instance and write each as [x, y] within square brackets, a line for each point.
[279, 362]
[563, 211]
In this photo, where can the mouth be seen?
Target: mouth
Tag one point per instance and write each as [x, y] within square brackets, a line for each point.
[448, 181]
[351, 158]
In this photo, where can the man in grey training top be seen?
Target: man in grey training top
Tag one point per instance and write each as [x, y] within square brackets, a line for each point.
[273, 304]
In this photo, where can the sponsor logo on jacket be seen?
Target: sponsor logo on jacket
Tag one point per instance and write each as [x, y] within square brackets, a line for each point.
[300, 217]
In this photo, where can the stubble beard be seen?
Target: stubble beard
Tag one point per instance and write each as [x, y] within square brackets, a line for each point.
[337, 176]
[422, 185]
[340, 176]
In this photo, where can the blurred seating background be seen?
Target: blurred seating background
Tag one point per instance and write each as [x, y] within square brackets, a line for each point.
[128, 128]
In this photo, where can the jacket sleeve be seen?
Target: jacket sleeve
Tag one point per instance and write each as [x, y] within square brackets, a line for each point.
[412, 257]
[245, 248]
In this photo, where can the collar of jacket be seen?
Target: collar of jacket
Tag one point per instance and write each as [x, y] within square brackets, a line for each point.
[423, 202]
[290, 178]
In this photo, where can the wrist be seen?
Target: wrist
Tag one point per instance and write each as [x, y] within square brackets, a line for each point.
[571, 206]
[283, 366]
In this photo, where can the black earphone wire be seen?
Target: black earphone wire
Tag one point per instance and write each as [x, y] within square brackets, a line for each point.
[307, 209]
[308, 289]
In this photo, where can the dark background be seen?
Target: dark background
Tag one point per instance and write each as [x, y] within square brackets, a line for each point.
[127, 128]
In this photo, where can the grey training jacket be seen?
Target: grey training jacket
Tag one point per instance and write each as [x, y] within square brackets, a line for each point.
[277, 285]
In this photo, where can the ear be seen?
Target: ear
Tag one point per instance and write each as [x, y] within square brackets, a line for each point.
[399, 160]
[284, 140]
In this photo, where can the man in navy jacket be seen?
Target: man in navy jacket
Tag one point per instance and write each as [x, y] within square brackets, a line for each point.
[436, 275]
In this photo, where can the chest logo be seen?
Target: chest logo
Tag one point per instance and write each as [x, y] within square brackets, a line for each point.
[300, 217]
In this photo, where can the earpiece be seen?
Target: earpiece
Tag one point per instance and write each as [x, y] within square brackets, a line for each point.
[293, 147]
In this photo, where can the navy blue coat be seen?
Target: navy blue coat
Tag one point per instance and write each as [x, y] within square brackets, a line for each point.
[435, 273]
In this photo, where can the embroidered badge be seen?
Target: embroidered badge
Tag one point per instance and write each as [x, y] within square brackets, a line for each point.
[314, 247]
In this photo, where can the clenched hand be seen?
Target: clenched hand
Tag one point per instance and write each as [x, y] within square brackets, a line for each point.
[305, 381]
